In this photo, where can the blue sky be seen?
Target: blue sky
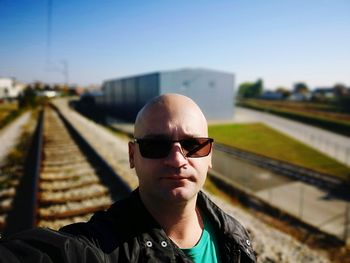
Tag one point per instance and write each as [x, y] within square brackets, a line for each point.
[280, 41]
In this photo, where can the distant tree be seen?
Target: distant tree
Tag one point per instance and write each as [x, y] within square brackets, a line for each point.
[344, 103]
[46, 87]
[244, 90]
[284, 91]
[301, 88]
[259, 86]
[340, 90]
[38, 85]
[27, 98]
[250, 89]
[342, 97]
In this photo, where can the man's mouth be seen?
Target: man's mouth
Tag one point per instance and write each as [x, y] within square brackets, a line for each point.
[175, 177]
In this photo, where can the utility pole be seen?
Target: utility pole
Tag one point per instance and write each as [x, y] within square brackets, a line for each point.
[49, 32]
[65, 72]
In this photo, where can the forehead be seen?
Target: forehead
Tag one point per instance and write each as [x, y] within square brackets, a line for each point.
[172, 122]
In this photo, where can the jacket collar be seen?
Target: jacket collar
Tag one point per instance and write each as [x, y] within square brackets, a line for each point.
[229, 231]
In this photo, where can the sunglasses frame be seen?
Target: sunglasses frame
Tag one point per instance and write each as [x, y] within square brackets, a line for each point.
[170, 142]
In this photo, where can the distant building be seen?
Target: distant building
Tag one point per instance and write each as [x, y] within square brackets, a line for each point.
[47, 93]
[320, 93]
[9, 89]
[212, 90]
[299, 96]
[271, 95]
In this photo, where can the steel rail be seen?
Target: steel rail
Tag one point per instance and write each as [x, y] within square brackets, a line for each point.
[24, 212]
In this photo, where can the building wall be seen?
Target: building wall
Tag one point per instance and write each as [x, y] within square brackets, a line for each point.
[7, 88]
[212, 90]
[124, 97]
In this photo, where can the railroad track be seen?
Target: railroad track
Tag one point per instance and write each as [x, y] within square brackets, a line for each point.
[330, 183]
[69, 183]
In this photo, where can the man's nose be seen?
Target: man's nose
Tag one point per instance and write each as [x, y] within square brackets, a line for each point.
[176, 157]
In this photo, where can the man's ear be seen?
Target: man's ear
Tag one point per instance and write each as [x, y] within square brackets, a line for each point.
[131, 154]
[210, 157]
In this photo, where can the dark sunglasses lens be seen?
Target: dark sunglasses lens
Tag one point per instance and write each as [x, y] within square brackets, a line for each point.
[192, 147]
[154, 149]
[196, 147]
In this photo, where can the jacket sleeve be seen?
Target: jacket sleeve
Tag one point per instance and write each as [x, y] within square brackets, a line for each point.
[44, 245]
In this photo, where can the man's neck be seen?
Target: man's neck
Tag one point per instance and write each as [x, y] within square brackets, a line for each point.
[180, 221]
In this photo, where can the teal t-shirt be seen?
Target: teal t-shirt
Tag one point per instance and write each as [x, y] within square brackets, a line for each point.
[206, 250]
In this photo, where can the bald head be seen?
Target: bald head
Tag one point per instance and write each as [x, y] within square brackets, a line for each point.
[173, 110]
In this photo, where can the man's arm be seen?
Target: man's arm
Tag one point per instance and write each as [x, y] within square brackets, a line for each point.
[44, 245]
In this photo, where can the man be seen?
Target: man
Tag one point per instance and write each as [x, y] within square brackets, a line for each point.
[168, 218]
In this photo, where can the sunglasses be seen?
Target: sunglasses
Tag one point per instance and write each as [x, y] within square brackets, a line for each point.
[160, 148]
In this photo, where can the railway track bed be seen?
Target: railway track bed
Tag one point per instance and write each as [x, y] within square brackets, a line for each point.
[71, 181]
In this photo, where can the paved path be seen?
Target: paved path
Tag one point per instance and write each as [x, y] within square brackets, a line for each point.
[126, 127]
[10, 134]
[329, 143]
[310, 205]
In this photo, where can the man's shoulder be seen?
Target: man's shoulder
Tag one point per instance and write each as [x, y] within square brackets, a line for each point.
[107, 229]
[102, 223]
[45, 245]
[45, 235]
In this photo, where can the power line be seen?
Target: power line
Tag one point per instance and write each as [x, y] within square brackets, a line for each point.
[49, 32]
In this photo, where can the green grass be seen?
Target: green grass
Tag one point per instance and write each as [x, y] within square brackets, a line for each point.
[260, 139]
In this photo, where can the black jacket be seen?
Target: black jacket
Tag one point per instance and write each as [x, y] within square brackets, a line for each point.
[124, 233]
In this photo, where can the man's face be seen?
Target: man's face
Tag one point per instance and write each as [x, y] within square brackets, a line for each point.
[174, 177]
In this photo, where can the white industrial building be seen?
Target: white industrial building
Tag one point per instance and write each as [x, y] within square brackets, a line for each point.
[9, 89]
[212, 90]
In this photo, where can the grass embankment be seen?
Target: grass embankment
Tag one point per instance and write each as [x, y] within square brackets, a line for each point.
[12, 167]
[320, 115]
[260, 139]
[8, 112]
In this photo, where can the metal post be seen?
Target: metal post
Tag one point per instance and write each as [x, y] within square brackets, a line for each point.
[301, 203]
[346, 222]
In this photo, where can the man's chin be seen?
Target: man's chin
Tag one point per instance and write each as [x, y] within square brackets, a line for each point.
[181, 194]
